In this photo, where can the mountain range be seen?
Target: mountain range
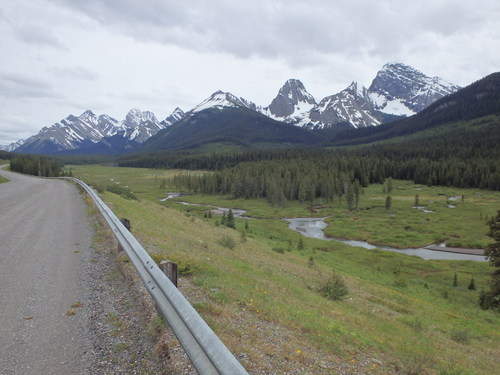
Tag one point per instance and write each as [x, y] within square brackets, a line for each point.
[397, 91]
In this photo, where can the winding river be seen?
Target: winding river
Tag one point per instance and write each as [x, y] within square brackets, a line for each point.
[313, 228]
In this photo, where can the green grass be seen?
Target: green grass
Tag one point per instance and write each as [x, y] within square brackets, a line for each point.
[3, 179]
[401, 310]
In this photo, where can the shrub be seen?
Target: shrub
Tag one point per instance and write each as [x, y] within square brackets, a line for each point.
[460, 335]
[122, 191]
[334, 288]
[415, 322]
[227, 242]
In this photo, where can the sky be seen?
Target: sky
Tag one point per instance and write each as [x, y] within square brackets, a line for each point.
[62, 57]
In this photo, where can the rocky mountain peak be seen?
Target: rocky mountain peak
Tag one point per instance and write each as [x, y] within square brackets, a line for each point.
[402, 90]
[174, 117]
[292, 99]
[136, 117]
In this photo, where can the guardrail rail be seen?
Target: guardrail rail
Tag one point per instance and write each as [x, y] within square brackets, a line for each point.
[206, 351]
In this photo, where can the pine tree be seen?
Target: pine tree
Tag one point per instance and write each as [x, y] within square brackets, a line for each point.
[491, 298]
[472, 285]
[230, 219]
[300, 245]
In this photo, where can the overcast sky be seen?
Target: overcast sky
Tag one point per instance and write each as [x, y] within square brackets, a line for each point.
[61, 57]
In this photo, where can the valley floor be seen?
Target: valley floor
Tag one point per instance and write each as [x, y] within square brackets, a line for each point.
[258, 285]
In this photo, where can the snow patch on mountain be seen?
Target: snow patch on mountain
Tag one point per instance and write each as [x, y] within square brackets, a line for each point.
[174, 117]
[220, 100]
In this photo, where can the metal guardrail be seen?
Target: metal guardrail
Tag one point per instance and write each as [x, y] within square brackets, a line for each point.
[205, 350]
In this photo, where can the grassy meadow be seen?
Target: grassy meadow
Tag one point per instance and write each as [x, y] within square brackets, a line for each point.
[258, 285]
[3, 179]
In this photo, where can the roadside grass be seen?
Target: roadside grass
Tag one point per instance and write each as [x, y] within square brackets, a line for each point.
[254, 281]
[401, 310]
[3, 179]
[144, 183]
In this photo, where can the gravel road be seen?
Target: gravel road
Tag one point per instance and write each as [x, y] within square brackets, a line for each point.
[62, 308]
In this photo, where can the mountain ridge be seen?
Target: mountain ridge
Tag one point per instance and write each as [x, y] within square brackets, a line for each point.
[397, 90]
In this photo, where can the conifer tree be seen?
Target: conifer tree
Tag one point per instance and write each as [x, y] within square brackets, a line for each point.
[472, 285]
[300, 245]
[491, 298]
[230, 219]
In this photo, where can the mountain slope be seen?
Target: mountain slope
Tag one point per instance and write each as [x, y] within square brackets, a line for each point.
[174, 117]
[236, 126]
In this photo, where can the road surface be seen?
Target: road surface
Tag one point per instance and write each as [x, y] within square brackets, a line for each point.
[45, 237]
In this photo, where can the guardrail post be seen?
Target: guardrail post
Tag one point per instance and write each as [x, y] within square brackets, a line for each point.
[170, 269]
[126, 224]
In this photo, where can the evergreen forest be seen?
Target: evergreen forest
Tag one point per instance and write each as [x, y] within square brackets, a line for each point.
[35, 165]
[464, 154]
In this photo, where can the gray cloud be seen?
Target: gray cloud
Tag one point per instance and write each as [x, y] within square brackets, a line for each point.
[39, 35]
[287, 29]
[23, 86]
[74, 72]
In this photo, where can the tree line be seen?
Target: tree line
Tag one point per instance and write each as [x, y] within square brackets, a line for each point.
[36, 165]
[333, 175]
[333, 179]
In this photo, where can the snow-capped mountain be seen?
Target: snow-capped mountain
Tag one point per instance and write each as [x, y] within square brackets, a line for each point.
[174, 117]
[71, 133]
[88, 129]
[220, 100]
[292, 103]
[399, 89]
[140, 125]
[352, 105]
[12, 146]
